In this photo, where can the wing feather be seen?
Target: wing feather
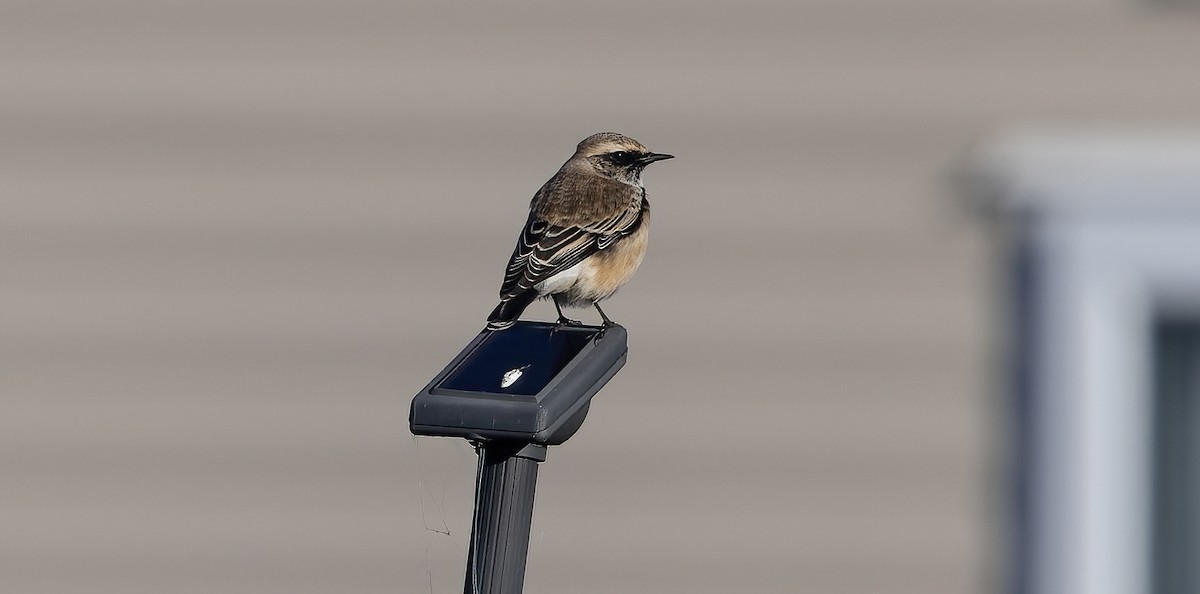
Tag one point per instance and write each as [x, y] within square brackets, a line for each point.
[545, 249]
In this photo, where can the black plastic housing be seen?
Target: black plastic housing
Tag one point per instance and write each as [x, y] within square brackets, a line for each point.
[560, 369]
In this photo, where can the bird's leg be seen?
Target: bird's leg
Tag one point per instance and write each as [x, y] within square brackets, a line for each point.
[563, 320]
[607, 322]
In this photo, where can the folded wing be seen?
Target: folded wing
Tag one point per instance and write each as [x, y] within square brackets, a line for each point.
[546, 249]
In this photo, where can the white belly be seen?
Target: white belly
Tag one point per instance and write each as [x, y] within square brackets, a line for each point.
[565, 280]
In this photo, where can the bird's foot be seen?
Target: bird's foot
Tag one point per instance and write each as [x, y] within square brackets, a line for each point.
[603, 316]
[565, 321]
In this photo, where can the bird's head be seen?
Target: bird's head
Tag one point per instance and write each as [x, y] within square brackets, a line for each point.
[617, 156]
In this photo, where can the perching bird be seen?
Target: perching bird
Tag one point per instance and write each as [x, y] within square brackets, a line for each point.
[586, 233]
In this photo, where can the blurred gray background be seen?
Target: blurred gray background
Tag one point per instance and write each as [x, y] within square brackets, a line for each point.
[237, 236]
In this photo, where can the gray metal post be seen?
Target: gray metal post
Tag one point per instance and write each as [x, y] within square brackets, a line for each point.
[504, 489]
[513, 393]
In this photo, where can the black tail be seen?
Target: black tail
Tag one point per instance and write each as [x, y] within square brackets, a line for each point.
[510, 308]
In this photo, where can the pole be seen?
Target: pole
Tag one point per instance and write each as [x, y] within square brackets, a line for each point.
[504, 489]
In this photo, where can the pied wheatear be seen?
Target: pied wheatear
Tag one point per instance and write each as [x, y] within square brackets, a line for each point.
[586, 234]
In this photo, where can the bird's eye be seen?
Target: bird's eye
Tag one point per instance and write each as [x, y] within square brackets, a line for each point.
[622, 157]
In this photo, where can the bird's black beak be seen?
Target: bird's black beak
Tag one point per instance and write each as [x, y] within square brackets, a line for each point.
[649, 158]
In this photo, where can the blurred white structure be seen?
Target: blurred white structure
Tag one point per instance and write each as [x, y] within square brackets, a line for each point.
[1105, 233]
